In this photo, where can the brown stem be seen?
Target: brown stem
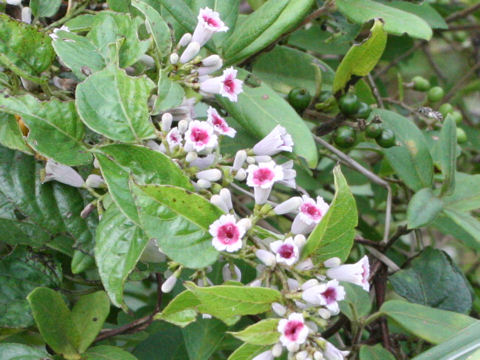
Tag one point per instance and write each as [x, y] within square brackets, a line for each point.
[460, 82]
[463, 13]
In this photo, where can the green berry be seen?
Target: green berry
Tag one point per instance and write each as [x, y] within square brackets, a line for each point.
[457, 116]
[349, 104]
[345, 137]
[386, 138]
[420, 83]
[435, 94]
[461, 136]
[445, 109]
[299, 99]
[460, 36]
[374, 130]
[364, 111]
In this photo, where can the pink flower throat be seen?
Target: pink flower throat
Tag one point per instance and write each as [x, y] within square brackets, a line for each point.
[292, 329]
[286, 251]
[262, 176]
[210, 21]
[312, 211]
[199, 136]
[228, 234]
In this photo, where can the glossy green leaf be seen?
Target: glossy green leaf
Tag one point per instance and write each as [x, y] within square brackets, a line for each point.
[20, 273]
[434, 280]
[432, 325]
[274, 110]
[107, 352]
[119, 162]
[88, 315]
[9, 351]
[81, 22]
[376, 352]
[179, 220]
[285, 68]
[170, 94]
[447, 144]
[165, 339]
[361, 58]
[423, 208]
[55, 129]
[119, 245]
[111, 27]
[460, 225]
[397, 22]
[23, 48]
[42, 8]
[248, 352]
[11, 135]
[466, 196]
[226, 301]
[156, 26]
[333, 236]
[203, 337]
[53, 321]
[358, 298]
[181, 13]
[119, 5]
[423, 10]
[261, 333]
[121, 114]
[181, 310]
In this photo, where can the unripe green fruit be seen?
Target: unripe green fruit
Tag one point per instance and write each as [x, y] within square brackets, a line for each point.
[349, 104]
[445, 109]
[435, 94]
[457, 116]
[420, 83]
[373, 130]
[299, 99]
[364, 111]
[460, 36]
[386, 138]
[345, 137]
[461, 136]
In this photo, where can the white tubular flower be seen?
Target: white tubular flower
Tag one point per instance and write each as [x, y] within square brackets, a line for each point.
[191, 156]
[94, 181]
[211, 175]
[239, 160]
[277, 350]
[227, 198]
[26, 15]
[240, 175]
[200, 136]
[174, 138]
[202, 162]
[276, 141]
[256, 283]
[293, 330]
[289, 175]
[300, 240]
[266, 355]
[185, 40]
[309, 284]
[305, 265]
[185, 111]
[286, 251]
[357, 273]
[190, 52]
[169, 284]
[287, 206]
[209, 23]
[227, 234]
[310, 214]
[219, 124]
[228, 274]
[324, 313]
[210, 65]
[245, 223]
[302, 355]
[262, 158]
[293, 284]
[62, 173]
[14, 2]
[183, 126]
[279, 309]
[262, 177]
[327, 294]
[167, 120]
[218, 202]
[266, 257]
[332, 262]
[317, 355]
[54, 34]
[147, 60]
[174, 58]
[226, 85]
[203, 184]
[332, 353]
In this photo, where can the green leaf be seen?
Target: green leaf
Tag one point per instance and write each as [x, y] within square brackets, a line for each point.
[466, 196]
[447, 144]
[119, 162]
[432, 279]
[261, 333]
[42, 8]
[466, 342]
[55, 129]
[9, 351]
[423, 208]
[164, 339]
[181, 310]
[358, 298]
[227, 301]
[111, 27]
[20, 273]
[78, 53]
[88, 315]
[179, 220]
[116, 105]
[264, 102]
[156, 26]
[119, 245]
[432, 325]
[247, 352]
[81, 22]
[376, 352]
[53, 320]
[107, 352]
[119, 5]
[170, 94]
[423, 10]
[287, 20]
[285, 68]
[460, 225]
[396, 21]
[361, 58]
[23, 48]
[333, 236]
[11, 135]
[412, 160]
[203, 337]
[181, 13]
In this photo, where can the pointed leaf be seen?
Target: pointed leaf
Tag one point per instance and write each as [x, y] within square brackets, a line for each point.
[11, 135]
[423, 208]
[261, 333]
[181, 310]
[170, 94]
[107, 352]
[9, 351]
[447, 144]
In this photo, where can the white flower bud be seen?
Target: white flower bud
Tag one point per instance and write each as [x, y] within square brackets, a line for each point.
[169, 284]
[227, 198]
[300, 240]
[147, 60]
[167, 119]
[309, 283]
[27, 15]
[256, 283]
[293, 347]
[289, 205]
[182, 126]
[87, 210]
[333, 262]
[302, 355]
[324, 313]
[185, 40]
[251, 160]
[277, 350]
[210, 65]
[62, 173]
[14, 2]
[94, 181]
[266, 257]
[266, 355]
[312, 326]
[279, 309]
[239, 160]
[96, 164]
[293, 284]
[262, 158]
[174, 58]
[218, 202]
[204, 184]
[206, 316]
[154, 146]
[305, 265]
[317, 355]
[211, 60]
[245, 223]
[190, 52]
[241, 175]
[211, 175]
[191, 156]
[227, 273]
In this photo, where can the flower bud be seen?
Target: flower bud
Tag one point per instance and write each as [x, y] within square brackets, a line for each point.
[266, 257]
[245, 223]
[302, 355]
[239, 160]
[256, 283]
[312, 326]
[309, 283]
[211, 175]
[305, 265]
[190, 52]
[293, 347]
[299, 240]
[87, 210]
[14, 2]
[240, 175]
[228, 274]
[182, 126]
[147, 60]
[293, 284]
[94, 181]
[27, 15]
[204, 184]
[185, 40]
[206, 316]
[266, 355]
[277, 350]
[250, 160]
[262, 158]
[174, 58]
[169, 284]
[289, 205]
[191, 156]
[324, 313]
[62, 173]
[317, 355]
[227, 198]
[218, 202]
[333, 262]
[279, 309]
[167, 119]
[96, 164]
[210, 65]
